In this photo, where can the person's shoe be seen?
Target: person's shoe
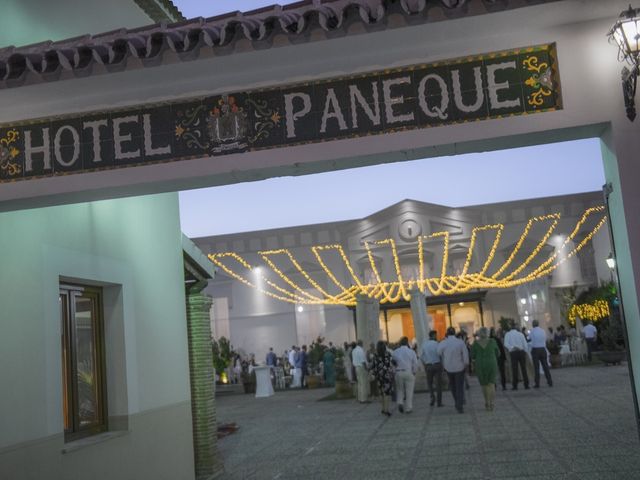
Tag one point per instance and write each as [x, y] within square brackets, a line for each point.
[535, 386]
[514, 388]
[526, 387]
[400, 408]
[433, 401]
[388, 414]
[551, 384]
[460, 410]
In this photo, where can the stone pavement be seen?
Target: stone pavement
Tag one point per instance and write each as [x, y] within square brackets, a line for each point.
[581, 429]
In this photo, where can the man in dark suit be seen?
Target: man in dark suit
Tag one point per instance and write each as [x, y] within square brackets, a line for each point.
[302, 364]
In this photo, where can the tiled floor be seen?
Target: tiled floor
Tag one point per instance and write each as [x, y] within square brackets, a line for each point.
[581, 429]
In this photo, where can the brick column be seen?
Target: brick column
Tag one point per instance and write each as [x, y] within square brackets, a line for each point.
[208, 464]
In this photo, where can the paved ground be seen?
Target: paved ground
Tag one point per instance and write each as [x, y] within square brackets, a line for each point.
[581, 429]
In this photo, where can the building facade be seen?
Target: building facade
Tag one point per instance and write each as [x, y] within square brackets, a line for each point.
[107, 116]
[254, 321]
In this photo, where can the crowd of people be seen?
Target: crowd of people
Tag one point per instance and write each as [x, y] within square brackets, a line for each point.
[388, 371]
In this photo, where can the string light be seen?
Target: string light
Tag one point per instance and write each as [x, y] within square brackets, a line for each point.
[589, 311]
[393, 291]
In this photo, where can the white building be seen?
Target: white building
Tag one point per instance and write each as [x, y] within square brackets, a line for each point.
[254, 322]
[153, 109]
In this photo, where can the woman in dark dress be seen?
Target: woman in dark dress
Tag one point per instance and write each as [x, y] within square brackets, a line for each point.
[501, 359]
[383, 373]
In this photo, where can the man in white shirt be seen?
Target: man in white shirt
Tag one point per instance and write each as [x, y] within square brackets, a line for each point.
[539, 354]
[293, 356]
[359, 360]
[406, 363]
[590, 333]
[455, 359]
[432, 366]
[516, 345]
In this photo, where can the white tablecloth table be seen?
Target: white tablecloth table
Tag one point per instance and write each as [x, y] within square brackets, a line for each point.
[263, 382]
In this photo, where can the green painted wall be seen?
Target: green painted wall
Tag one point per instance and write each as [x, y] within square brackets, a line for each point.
[132, 247]
[23, 22]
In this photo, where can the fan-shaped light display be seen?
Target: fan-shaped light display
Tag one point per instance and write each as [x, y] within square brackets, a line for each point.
[523, 264]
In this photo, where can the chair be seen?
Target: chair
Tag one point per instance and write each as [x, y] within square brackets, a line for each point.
[280, 380]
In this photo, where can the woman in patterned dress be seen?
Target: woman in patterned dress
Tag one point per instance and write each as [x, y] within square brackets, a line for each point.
[383, 372]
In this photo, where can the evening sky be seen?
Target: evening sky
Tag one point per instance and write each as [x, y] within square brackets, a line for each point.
[473, 179]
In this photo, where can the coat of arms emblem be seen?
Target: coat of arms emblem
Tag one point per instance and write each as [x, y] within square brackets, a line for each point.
[227, 125]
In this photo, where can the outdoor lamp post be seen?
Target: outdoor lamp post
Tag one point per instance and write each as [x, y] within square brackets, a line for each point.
[626, 34]
[611, 263]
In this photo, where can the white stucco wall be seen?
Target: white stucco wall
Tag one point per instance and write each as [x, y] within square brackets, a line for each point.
[131, 247]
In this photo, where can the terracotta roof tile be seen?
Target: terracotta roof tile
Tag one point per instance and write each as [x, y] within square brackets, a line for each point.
[112, 48]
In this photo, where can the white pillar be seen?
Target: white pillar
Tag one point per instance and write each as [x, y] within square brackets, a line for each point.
[419, 314]
[367, 320]
[374, 321]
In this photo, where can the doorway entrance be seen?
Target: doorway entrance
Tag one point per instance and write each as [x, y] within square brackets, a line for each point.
[463, 312]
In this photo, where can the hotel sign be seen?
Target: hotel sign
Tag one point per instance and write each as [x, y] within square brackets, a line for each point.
[468, 89]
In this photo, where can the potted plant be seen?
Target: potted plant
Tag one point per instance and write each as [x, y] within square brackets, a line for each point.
[607, 320]
[343, 387]
[613, 351]
[316, 352]
[222, 351]
[554, 354]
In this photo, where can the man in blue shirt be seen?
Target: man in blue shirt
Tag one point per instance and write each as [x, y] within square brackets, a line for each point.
[539, 354]
[432, 366]
[271, 358]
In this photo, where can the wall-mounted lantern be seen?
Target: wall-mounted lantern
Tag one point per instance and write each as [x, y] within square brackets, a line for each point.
[626, 35]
